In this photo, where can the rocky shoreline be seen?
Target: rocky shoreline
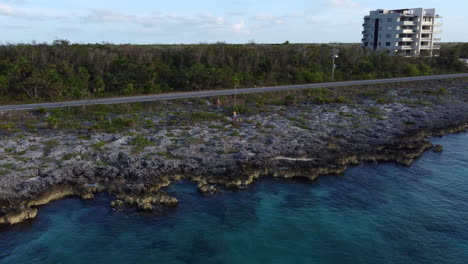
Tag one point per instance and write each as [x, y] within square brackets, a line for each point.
[303, 137]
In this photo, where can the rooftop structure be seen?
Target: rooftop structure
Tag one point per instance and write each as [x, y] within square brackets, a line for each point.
[407, 32]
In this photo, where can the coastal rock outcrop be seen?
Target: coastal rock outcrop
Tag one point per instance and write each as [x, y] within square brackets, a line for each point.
[305, 140]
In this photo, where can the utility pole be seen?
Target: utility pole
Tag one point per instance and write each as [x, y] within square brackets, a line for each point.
[335, 53]
[236, 80]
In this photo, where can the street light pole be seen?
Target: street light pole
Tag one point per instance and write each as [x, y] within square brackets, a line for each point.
[335, 53]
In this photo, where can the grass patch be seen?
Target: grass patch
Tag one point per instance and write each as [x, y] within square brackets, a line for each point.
[98, 146]
[114, 125]
[439, 91]
[49, 145]
[333, 146]
[385, 100]
[70, 156]
[140, 142]
[346, 114]
[8, 166]
[52, 122]
[167, 155]
[7, 127]
[377, 116]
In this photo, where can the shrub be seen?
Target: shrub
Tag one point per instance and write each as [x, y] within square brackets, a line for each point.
[140, 142]
[290, 100]
[52, 122]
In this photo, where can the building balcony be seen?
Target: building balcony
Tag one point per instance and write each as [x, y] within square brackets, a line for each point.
[405, 31]
[427, 31]
[429, 47]
[426, 39]
[406, 23]
[435, 24]
[405, 39]
[404, 47]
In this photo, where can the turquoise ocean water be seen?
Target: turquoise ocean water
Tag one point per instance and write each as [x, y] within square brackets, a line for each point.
[383, 213]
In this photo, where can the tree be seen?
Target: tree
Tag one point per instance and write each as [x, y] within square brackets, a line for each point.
[33, 85]
[3, 85]
[411, 70]
[84, 78]
[128, 89]
[98, 85]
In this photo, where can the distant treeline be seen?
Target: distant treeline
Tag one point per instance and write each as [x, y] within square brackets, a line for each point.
[34, 72]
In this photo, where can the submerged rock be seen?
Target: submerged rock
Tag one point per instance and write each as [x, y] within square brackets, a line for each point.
[438, 148]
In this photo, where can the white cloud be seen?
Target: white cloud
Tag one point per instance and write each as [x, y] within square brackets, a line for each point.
[7, 10]
[269, 18]
[240, 28]
[108, 15]
[34, 13]
[154, 19]
[343, 3]
[210, 18]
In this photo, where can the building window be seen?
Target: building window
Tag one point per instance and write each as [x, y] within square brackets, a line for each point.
[380, 44]
[387, 44]
[389, 19]
[389, 35]
[389, 28]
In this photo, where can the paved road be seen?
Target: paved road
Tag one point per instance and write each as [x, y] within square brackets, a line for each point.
[173, 96]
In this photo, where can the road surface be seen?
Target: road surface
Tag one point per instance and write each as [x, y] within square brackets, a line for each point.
[183, 95]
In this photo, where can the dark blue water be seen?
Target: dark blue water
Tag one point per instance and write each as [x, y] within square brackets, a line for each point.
[374, 214]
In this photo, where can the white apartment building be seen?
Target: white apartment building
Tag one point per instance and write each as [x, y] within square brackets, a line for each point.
[464, 61]
[408, 32]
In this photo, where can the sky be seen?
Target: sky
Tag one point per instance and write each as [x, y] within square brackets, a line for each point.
[207, 21]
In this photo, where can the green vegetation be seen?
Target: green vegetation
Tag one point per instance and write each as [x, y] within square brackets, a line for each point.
[61, 70]
[189, 118]
[140, 142]
[49, 145]
[70, 156]
[7, 127]
[114, 125]
[7, 166]
[439, 91]
[52, 122]
[166, 155]
[375, 112]
[98, 146]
